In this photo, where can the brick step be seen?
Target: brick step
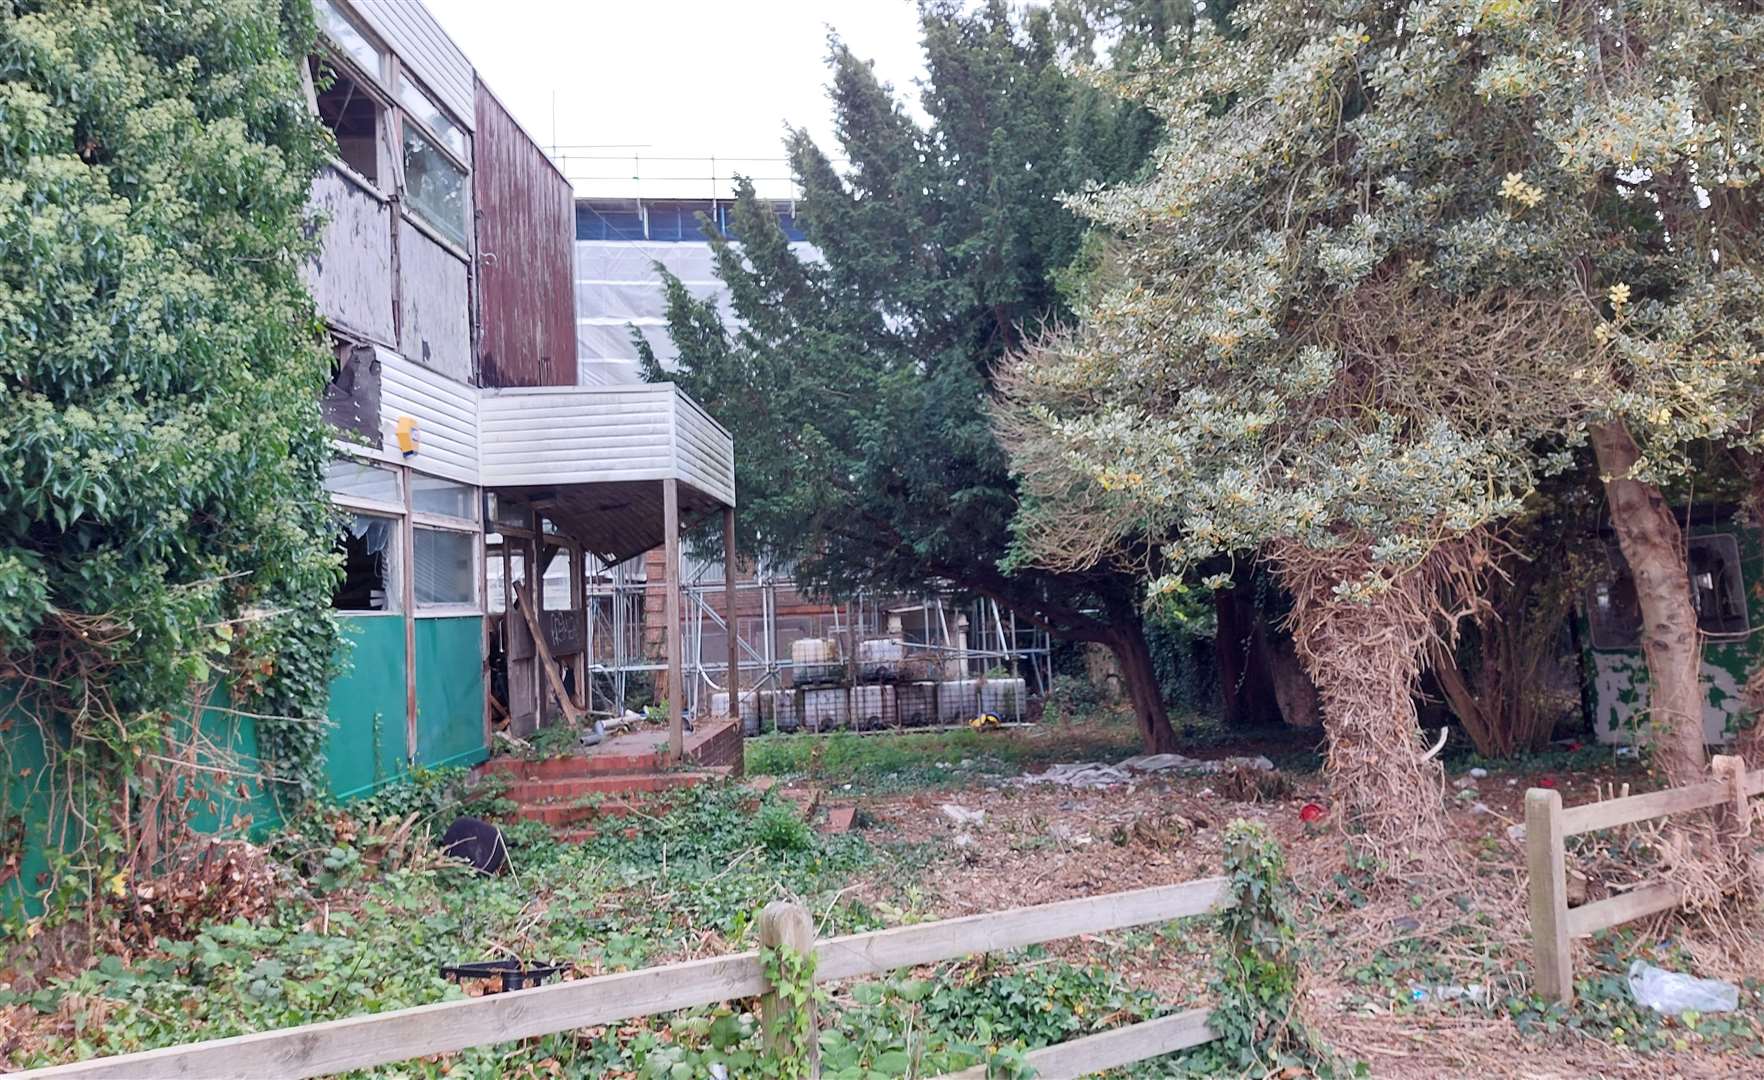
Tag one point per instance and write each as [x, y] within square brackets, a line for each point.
[555, 814]
[583, 833]
[562, 768]
[574, 787]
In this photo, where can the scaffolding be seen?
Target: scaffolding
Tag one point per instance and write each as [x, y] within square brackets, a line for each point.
[956, 661]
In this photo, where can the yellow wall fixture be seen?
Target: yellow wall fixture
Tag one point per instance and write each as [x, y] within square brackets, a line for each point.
[407, 435]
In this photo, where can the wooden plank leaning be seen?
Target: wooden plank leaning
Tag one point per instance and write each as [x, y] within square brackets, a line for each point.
[524, 601]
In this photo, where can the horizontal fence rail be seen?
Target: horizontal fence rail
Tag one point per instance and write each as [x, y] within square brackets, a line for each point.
[360, 1042]
[1555, 925]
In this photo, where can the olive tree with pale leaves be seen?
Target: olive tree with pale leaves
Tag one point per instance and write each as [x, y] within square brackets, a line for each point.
[1396, 263]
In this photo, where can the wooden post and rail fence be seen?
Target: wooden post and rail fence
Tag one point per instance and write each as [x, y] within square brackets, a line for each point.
[361, 1042]
[1555, 925]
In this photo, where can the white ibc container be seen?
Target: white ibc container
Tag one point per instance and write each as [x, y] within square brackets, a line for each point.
[880, 659]
[958, 701]
[823, 710]
[780, 705]
[872, 707]
[1003, 698]
[915, 703]
[814, 660]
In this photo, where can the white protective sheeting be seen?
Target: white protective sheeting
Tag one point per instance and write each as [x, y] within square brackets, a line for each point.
[619, 288]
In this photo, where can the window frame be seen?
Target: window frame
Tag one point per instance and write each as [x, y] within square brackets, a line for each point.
[375, 506]
[327, 53]
[410, 211]
[449, 609]
[382, 52]
[394, 511]
[467, 526]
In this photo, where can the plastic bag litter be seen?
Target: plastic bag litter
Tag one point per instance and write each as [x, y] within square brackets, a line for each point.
[1670, 992]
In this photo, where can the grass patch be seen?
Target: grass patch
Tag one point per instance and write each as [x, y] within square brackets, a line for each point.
[904, 760]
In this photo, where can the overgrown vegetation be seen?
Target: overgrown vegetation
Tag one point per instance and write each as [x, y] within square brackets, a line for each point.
[1396, 265]
[164, 528]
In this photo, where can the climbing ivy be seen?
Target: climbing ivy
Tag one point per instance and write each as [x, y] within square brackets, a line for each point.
[164, 530]
[1256, 986]
[792, 978]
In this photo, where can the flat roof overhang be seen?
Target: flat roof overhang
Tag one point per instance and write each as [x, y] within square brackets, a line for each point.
[594, 459]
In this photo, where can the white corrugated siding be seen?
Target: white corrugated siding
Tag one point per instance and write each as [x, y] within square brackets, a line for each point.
[594, 434]
[426, 50]
[446, 414]
[706, 451]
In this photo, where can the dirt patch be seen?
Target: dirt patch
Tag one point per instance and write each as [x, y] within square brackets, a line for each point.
[1038, 844]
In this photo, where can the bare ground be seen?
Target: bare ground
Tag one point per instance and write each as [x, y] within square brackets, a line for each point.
[1041, 843]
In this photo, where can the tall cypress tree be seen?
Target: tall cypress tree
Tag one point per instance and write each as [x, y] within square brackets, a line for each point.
[857, 385]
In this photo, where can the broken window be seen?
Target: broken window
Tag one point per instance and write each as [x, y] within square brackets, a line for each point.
[1718, 591]
[434, 179]
[353, 116]
[1717, 587]
[370, 565]
[434, 186]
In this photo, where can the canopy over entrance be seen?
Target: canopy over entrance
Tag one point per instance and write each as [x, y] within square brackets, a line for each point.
[617, 470]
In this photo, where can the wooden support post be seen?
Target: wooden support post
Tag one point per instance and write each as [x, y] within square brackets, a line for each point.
[732, 620]
[676, 642]
[787, 925]
[1546, 863]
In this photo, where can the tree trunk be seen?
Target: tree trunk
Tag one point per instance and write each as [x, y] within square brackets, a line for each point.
[1364, 655]
[1653, 545]
[1240, 649]
[1126, 639]
[1294, 692]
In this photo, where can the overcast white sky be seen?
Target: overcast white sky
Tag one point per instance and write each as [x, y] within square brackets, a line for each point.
[675, 78]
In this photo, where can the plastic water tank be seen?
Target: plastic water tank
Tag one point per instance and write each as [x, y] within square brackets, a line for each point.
[958, 701]
[880, 659]
[824, 710]
[1004, 698]
[872, 707]
[780, 705]
[814, 661]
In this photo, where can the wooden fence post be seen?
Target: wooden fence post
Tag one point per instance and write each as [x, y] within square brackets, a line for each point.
[786, 925]
[1546, 864]
[1733, 819]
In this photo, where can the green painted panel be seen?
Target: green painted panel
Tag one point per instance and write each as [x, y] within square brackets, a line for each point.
[238, 801]
[1617, 679]
[366, 744]
[450, 691]
[24, 814]
[227, 795]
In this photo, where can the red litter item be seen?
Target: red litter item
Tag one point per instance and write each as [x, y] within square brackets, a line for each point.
[1310, 812]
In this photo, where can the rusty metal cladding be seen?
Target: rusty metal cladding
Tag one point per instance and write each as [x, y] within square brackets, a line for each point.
[526, 265]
